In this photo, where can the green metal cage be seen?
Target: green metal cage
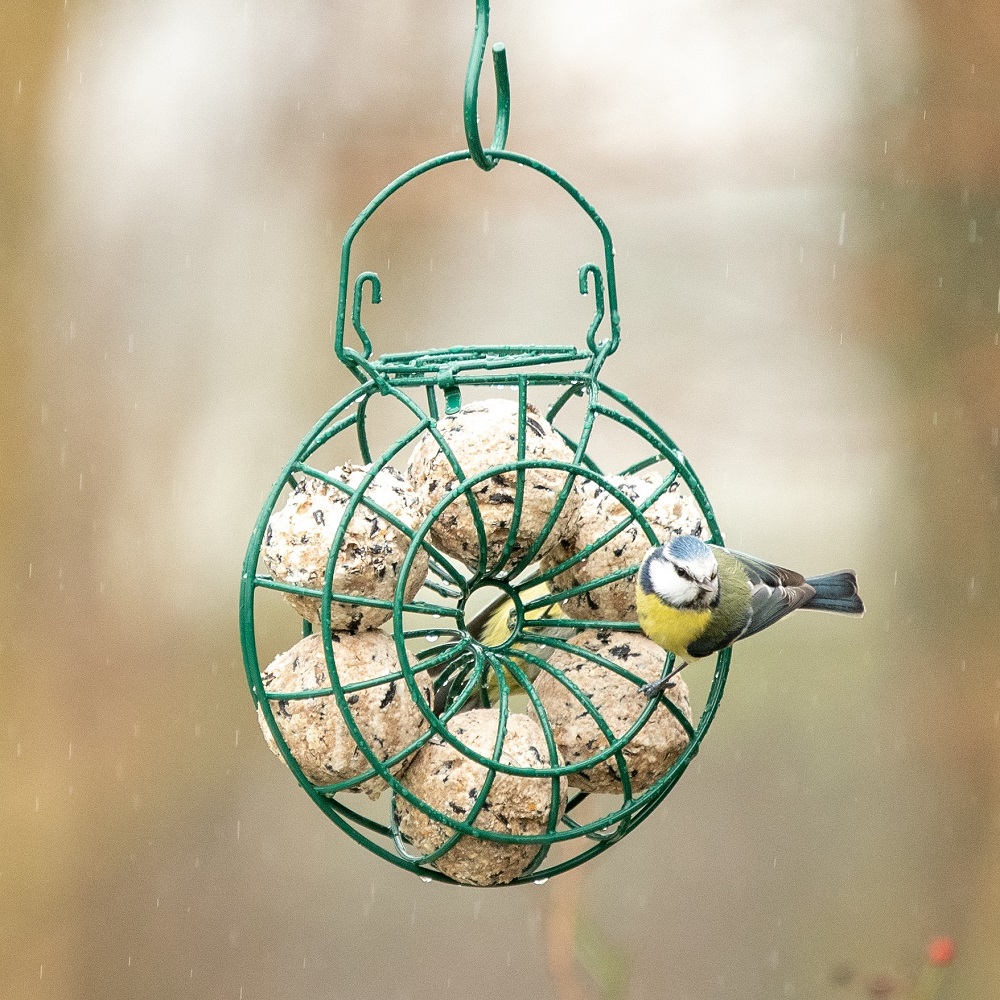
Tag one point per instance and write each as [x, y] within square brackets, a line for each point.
[427, 384]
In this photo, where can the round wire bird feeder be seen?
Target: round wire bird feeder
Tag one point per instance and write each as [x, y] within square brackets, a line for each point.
[454, 668]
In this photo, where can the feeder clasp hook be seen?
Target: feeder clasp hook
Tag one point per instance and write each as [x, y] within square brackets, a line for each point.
[482, 157]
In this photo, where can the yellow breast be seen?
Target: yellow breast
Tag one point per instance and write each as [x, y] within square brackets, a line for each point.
[668, 627]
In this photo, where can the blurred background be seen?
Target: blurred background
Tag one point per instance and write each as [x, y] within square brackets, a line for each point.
[805, 201]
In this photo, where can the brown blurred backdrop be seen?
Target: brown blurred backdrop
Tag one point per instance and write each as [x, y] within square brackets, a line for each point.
[806, 209]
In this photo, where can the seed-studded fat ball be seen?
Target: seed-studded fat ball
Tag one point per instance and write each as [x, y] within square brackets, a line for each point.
[299, 537]
[448, 781]
[314, 729]
[483, 435]
[673, 513]
[653, 749]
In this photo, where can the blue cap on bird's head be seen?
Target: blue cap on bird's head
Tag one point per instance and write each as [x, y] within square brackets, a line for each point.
[687, 548]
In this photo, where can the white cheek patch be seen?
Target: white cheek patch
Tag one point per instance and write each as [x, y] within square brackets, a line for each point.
[669, 586]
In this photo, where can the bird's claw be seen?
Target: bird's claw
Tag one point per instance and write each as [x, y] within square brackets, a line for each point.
[657, 688]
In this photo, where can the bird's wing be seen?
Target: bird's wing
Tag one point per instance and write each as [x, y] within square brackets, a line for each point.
[769, 604]
[761, 572]
[775, 591]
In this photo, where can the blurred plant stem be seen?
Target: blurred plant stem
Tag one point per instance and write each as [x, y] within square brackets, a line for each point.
[561, 917]
[574, 943]
[929, 984]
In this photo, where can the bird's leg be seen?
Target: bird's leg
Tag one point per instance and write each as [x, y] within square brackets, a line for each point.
[657, 688]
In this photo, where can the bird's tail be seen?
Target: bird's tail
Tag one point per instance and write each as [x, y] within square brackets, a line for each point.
[836, 592]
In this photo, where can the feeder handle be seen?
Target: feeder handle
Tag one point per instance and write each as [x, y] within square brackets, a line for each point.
[480, 156]
[590, 274]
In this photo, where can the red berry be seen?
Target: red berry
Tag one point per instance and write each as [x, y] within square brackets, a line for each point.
[941, 951]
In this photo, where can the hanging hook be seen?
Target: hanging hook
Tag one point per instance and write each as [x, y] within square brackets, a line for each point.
[593, 271]
[479, 155]
[372, 278]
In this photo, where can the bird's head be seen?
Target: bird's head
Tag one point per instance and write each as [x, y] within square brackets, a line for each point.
[682, 573]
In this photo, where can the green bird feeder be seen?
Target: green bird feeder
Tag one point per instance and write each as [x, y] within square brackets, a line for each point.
[496, 795]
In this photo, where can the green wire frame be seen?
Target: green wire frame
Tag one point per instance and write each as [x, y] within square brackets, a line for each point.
[459, 666]
[384, 839]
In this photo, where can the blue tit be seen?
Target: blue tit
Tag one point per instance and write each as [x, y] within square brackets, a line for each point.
[492, 627]
[695, 599]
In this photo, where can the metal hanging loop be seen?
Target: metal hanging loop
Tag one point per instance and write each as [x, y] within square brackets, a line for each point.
[479, 155]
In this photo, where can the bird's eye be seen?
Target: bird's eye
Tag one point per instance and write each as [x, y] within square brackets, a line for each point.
[683, 573]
